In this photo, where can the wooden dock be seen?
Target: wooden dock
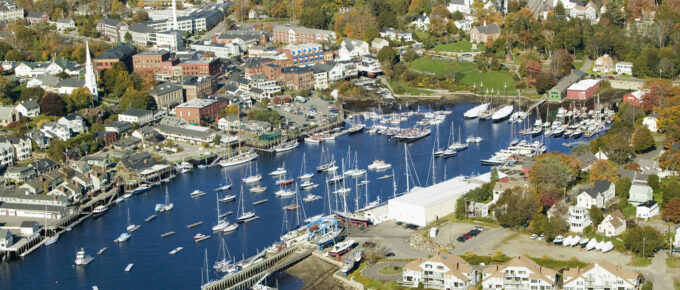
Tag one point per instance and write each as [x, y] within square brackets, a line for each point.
[167, 234]
[226, 214]
[194, 225]
[246, 278]
[102, 250]
[260, 201]
[150, 218]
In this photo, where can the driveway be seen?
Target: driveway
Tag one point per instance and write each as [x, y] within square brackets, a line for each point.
[372, 271]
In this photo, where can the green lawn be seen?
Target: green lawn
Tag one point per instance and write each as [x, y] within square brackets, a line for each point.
[409, 90]
[628, 210]
[578, 63]
[459, 46]
[390, 270]
[495, 80]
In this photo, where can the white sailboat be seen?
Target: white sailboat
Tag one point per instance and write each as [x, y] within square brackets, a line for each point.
[224, 264]
[243, 215]
[304, 174]
[252, 178]
[131, 227]
[167, 206]
[226, 185]
[221, 223]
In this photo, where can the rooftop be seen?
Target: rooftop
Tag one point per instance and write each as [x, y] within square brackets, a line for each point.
[583, 85]
[137, 112]
[198, 103]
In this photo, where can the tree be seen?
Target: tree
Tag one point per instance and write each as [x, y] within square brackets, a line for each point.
[516, 207]
[56, 150]
[540, 224]
[387, 54]
[670, 188]
[128, 37]
[671, 211]
[554, 170]
[544, 82]
[550, 196]
[579, 149]
[642, 139]
[623, 187]
[232, 109]
[53, 105]
[596, 215]
[137, 99]
[653, 181]
[657, 93]
[617, 149]
[603, 170]
[410, 55]
[643, 241]
[140, 16]
[561, 62]
[14, 55]
[81, 97]
[34, 94]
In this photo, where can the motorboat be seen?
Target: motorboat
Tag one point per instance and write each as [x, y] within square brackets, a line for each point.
[313, 139]
[83, 258]
[358, 255]
[292, 206]
[185, 167]
[341, 248]
[223, 187]
[286, 146]
[355, 172]
[575, 240]
[200, 237]
[583, 242]
[308, 184]
[608, 246]
[592, 244]
[51, 240]
[311, 197]
[600, 245]
[257, 189]
[227, 198]
[558, 240]
[141, 188]
[567, 241]
[196, 193]
[283, 181]
[99, 210]
[127, 195]
[476, 111]
[502, 113]
[123, 237]
[284, 193]
[279, 171]
[378, 165]
[348, 265]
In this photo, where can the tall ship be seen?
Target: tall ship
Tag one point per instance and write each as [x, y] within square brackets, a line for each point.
[502, 113]
[476, 111]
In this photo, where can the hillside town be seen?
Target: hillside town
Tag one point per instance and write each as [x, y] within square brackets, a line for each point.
[106, 100]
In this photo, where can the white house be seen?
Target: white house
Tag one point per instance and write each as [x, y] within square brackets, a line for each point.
[647, 210]
[601, 275]
[378, 43]
[578, 219]
[395, 35]
[6, 154]
[598, 195]
[624, 68]
[676, 243]
[639, 193]
[613, 224]
[422, 22]
[463, 6]
[586, 12]
[55, 130]
[464, 24]
[132, 115]
[28, 109]
[351, 48]
[65, 23]
[441, 271]
[74, 122]
[518, 273]
[22, 147]
[67, 86]
[650, 123]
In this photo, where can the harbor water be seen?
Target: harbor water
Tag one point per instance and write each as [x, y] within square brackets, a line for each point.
[52, 266]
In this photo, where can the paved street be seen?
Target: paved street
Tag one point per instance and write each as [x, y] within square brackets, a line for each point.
[372, 271]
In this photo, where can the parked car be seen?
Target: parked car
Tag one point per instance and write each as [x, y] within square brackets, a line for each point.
[541, 237]
[534, 236]
[412, 226]
[473, 233]
[479, 228]
[462, 239]
[389, 254]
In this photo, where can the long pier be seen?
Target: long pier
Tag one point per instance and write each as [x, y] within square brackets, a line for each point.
[246, 278]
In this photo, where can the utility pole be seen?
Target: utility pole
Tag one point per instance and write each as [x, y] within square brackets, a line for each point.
[643, 246]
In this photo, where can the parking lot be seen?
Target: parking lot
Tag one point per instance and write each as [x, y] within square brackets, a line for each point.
[298, 113]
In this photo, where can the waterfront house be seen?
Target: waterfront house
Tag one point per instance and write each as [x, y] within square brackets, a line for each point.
[639, 193]
[19, 174]
[66, 190]
[139, 116]
[441, 271]
[599, 194]
[613, 224]
[624, 68]
[198, 111]
[578, 219]
[17, 203]
[74, 122]
[647, 210]
[583, 89]
[557, 93]
[189, 134]
[352, 48]
[634, 98]
[28, 109]
[601, 275]
[518, 273]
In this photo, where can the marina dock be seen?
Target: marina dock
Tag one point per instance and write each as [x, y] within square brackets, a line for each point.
[150, 218]
[226, 214]
[194, 225]
[260, 201]
[167, 234]
[246, 278]
[129, 267]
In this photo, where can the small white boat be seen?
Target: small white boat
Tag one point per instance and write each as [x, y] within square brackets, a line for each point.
[196, 193]
[600, 245]
[257, 189]
[278, 171]
[307, 184]
[342, 190]
[223, 187]
[284, 193]
[230, 228]
[82, 258]
[592, 244]
[358, 255]
[99, 210]
[227, 198]
[584, 241]
[379, 165]
[567, 241]
[123, 237]
[176, 250]
[608, 246]
[129, 267]
[311, 197]
[200, 237]
[127, 195]
[286, 146]
[575, 240]
[558, 240]
[51, 240]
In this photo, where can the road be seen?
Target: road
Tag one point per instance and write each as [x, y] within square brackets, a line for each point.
[372, 271]
[393, 237]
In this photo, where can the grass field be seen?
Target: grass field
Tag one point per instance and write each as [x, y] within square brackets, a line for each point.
[458, 46]
[390, 270]
[409, 90]
[495, 80]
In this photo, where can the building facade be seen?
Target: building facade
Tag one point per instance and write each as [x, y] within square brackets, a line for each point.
[293, 35]
[199, 111]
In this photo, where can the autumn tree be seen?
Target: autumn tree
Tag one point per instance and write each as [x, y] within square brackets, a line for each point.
[669, 120]
[596, 215]
[561, 62]
[643, 240]
[642, 139]
[554, 170]
[671, 211]
[356, 24]
[52, 105]
[516, 207]
[388, 55]
[617, 149]
[657, 92]
[603, 170]
[137, 99]
[81, 97]
[670, 160]
[636, 8]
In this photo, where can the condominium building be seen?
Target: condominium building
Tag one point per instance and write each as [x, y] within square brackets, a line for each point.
[441, 271]
[518, 273]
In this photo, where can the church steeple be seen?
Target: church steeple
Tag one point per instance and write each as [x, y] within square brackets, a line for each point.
[90, 77]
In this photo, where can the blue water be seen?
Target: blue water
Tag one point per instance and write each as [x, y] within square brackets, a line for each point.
[51, 267]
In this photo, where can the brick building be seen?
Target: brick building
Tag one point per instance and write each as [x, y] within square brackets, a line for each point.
[293, 35]
[295, 77]
[167, 95]
[37, 17]
[120, 53]
[198, 111]
[149, 61]
[202, 67]
[197, 87]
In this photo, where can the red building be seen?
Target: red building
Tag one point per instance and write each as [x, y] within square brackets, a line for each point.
[199, 111]
[634, 98]
[583, 89]
[149, 61]
[201, 68]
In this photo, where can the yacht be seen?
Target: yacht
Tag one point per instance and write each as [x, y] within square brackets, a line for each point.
[243, 215]
[348, 265]
[239, 159]
[258, 189]
[82, 258]
[286, 146]
[378, 165]
[99, 210]
[185, 167]
[123, 237]
[341, 248]
[502, 113]
[141, 188]
[196, 193]
[308, 184]
[284, 193]
[200, 237]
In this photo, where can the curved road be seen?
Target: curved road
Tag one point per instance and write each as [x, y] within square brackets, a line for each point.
[372, 271]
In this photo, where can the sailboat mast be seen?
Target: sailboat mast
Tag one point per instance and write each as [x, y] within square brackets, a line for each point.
[394, 185]
[434, 177]
[356, 196]
[406, 162]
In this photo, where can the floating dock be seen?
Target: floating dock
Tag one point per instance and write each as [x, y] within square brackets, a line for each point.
[150, 218]
[167, 234]
[226, 214]
[129, 267]
[102, 250]
[260, 201]
[194, 225]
